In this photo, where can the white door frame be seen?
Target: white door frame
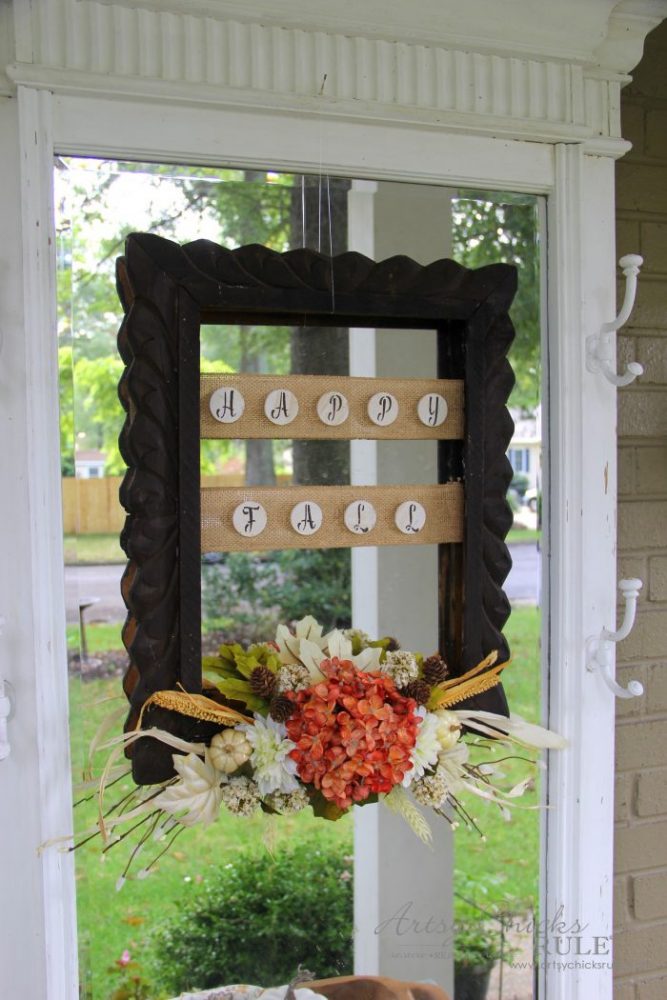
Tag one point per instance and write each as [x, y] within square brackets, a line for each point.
[581, 487]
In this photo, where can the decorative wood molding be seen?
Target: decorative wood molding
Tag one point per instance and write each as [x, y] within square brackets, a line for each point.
[167, 290]
[314, 59]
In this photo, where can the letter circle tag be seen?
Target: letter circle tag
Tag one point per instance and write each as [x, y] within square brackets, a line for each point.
[432, 409]
[306, 517]
[249, 519]
[227, 404]
[383, 409]
[333, 408]
[360, 517]
[410, 517]
[281, 406]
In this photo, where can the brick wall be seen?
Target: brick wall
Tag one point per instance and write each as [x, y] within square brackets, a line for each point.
[640, 966]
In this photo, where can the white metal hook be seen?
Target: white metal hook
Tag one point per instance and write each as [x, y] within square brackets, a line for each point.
[599, 346]
[599, 649]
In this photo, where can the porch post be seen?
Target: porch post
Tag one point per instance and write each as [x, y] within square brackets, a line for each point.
[403, 888]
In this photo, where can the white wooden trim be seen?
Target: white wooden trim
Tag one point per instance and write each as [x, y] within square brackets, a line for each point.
[582, 574]
[581, 288]
[45, 555]
[86, 126]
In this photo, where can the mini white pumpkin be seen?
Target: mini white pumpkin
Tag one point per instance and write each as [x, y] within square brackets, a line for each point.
[229, 750]
[449, 728]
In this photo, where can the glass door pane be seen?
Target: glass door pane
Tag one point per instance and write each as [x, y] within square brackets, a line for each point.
[266, 873]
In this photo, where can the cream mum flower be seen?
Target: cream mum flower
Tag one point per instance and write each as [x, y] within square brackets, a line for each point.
[427, 747]
[273, 770]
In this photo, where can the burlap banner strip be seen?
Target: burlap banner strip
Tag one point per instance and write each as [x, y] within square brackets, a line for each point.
[309, 389]
[442, 505]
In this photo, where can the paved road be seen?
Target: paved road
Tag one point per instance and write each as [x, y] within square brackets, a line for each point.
[103, 582]
[523, 582]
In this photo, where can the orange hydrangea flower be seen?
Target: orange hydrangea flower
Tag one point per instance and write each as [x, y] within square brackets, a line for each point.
[354, 733]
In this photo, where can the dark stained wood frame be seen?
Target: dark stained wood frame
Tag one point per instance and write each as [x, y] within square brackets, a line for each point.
[167, 292]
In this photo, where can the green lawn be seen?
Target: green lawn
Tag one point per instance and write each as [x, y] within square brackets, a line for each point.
[102, 637]
[518, 535]
[112, 921]
[511, 849]
[93, 549]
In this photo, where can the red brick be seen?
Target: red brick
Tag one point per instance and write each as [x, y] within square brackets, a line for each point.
[640, 187]
[652, 989]
[651, 469]
[641, 744]
[657, 578]
[656, 688]
[642, 413]
[651, 793]
[641, 949]
[648, 639]
[653, 244]
[649, 894]
[642, 524]
[652, 131]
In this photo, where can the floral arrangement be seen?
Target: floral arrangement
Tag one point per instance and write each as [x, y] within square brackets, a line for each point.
[323, 722]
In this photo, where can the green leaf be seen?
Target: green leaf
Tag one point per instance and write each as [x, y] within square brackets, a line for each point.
[230, 653]
[245, 665]
[239, 690]
[219, 668]
[324, 808]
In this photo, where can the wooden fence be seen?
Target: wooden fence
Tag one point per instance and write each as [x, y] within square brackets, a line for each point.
[91, 506]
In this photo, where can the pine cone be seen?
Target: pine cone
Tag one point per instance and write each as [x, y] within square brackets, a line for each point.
[263, 682]
[435, 669]
[281, 708]
[419, 690]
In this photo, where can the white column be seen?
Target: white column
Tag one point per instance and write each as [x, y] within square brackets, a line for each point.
[403, 889]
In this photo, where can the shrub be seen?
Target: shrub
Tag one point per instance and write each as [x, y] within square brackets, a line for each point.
[258, 917]
[257, 592]
[316, 582]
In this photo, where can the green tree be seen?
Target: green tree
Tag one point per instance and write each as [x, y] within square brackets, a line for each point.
[490, 227]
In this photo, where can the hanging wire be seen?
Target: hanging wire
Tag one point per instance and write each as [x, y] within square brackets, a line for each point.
[331, 264]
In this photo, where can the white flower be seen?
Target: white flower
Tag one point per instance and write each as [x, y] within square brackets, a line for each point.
[273, 770]
[289, 802]
[340, 647]
[431, 790]
[288, 643]
[514, 729]
[293, 677]
[401, 666]
[241, 796]
[451, 764]
[427, 747]
[198, 793]
[309, 647]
